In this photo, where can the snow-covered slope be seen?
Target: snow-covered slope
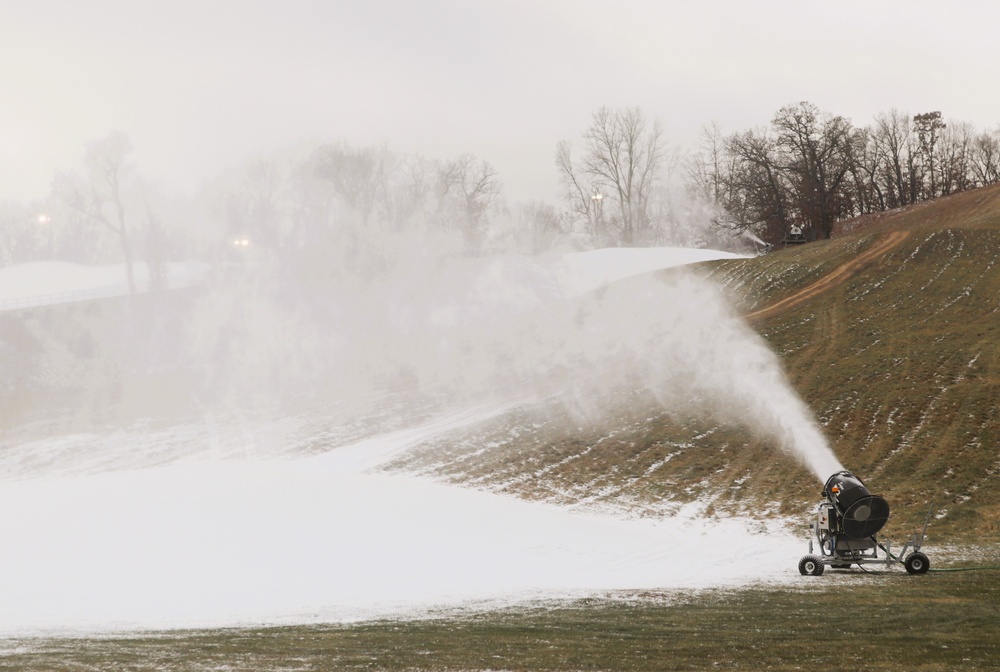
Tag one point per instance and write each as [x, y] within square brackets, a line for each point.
[224, 542]
[582, 272]
[46, 282]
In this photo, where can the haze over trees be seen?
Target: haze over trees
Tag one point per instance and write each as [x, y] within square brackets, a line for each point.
[341, 206]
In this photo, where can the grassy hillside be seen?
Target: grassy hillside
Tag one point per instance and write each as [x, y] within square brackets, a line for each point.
[897, 355]
[900, 362]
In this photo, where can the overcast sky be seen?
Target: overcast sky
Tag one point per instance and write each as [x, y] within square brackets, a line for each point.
[202, 86]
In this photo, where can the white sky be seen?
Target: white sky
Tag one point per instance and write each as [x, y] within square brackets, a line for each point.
[202, 86]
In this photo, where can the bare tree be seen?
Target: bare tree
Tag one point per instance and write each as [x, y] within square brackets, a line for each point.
[865, 166]
[472, 186]
[581, 197]
[928, 127]
[412, 190]
[985, 159]
[620, 169]
[382, 186]
[623, 155]
[100, 195]
[535, 227]
[815, 155]
[706, 168]
[893, 137]
[755, 196]
[956, 147]
[358, 175]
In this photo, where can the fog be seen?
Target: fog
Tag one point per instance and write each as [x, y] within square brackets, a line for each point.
[435, 327]
[377, 335]
[201, 89]
[437, 323]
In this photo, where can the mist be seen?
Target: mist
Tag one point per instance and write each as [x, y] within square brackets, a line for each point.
[266, 402]
[438, 328]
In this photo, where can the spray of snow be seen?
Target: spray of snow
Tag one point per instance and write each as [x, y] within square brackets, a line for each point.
[514, 326]
[199, 541]
[679, 338]
[467, 330]
[749, 235]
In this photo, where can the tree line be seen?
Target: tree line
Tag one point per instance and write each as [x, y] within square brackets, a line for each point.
[621, 184]
[811, 168]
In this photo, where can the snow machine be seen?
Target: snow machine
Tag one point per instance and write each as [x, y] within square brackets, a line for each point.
[795, 236]
[845, 527]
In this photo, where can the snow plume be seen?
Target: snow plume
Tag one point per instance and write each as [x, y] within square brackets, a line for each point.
[460, 329]
[111, 530]
[680, 338]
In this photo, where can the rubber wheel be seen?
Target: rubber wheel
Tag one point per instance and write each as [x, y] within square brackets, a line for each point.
[917, 563]
[810, 565]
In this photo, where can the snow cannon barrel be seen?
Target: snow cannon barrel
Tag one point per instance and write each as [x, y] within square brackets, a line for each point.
[861, 513]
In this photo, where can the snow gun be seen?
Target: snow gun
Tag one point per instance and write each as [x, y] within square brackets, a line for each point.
[846, 523]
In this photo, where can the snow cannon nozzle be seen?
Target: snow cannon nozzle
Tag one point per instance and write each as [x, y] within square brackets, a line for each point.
[857, 512]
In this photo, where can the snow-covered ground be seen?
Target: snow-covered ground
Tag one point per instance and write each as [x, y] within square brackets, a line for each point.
[222, 542]
[585, 271]
[48, 282]
[45, 282]
[212, 541]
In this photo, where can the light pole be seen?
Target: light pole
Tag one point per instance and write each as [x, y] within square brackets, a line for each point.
[46, 222]
[598, 200]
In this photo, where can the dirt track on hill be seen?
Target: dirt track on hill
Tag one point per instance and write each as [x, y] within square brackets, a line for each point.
[831, 280]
